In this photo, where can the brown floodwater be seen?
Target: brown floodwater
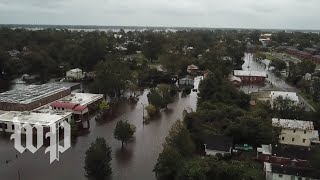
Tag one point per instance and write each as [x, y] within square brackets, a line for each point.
[135, 162]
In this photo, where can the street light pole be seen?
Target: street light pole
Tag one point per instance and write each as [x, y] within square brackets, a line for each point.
[142, 113]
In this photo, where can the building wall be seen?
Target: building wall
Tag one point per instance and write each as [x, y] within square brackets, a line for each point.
[213, 153]
[276, 176]
[252, 80]
[74, 75]
[10, 126]
[28, 107]
[295, 137]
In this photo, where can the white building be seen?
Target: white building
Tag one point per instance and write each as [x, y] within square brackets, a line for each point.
[280, 172]
[32, 118]
[296, 132]
[285, 95]
[74, 74]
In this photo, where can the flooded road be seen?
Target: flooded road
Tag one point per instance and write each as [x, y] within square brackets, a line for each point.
[275, 83]
[136, 162]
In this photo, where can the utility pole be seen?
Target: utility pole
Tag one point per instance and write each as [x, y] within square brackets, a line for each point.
[19, 175]
[143, 113]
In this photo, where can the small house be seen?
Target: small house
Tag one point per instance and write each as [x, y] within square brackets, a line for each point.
[217, 144]
[192, 69]
[188, 81]
[74, 75]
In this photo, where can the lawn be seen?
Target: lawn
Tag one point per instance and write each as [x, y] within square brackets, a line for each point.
[269, 57]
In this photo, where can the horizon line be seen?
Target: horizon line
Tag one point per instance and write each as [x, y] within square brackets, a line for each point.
[152, 26]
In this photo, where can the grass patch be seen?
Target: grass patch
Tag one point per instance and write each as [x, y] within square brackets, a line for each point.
[309, 98]
[270, 57]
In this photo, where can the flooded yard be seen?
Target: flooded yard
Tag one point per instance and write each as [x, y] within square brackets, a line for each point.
[136, 162]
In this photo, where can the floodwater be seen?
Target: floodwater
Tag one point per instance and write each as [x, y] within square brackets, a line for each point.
[277, 83]
[136, 162]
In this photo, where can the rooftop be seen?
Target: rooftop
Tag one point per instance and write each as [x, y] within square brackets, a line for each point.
[75, 70]
[33, 93]
[44, 119]
[291, 151]
[292, 124]
[310, 49]
[265, 149]
[290, 95]
[82, 99]
[219, 143]
[296, 171]
[250, 73]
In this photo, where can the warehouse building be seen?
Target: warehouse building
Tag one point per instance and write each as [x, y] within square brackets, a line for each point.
[34, 96]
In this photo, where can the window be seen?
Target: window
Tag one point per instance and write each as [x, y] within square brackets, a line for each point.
[280, 175]
[305, 132]
[304, 140]
[292, 139]
[293, 177]
[12, 127]
[299, 178]
[294, 131]
[282, 138]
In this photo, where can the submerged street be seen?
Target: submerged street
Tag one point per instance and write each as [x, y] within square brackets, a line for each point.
[135, 162]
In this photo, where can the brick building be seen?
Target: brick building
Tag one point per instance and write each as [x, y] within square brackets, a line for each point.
[251, 77]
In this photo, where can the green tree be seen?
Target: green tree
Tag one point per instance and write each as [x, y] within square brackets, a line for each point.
[316, 89]
[315, 157]
[151, 109]
[278, 64]
[111, 76]
[103, 106]
[124, 131]
[180, 139]
[287, 109]
[97, 160]
[168, 163]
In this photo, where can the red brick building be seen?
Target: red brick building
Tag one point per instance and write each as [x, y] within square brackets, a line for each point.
[251, 77]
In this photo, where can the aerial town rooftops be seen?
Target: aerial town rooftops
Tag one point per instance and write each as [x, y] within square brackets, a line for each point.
[43, 119]
[33, 93]
[250, 73]
[82, 99]
[292, 124]
[290, 95]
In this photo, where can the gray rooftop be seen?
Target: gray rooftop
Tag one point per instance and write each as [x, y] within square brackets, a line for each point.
[33, 93]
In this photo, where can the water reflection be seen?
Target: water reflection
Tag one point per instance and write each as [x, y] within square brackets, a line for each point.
[136, 162]
[124, 155]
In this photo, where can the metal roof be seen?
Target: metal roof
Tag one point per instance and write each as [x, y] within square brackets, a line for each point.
[33, 93]
[292, 124]
[250, 73]
[44, 119]
[290, 95]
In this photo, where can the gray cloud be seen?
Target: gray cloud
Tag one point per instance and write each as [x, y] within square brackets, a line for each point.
[295, 14]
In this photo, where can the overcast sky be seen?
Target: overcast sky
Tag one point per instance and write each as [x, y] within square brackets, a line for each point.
[279, 14]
